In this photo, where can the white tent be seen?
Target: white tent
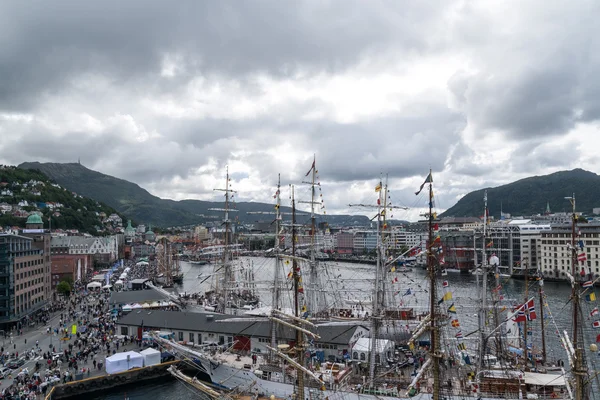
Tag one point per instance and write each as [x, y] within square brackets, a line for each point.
[151, 357]
[142, 263]
[127, 307]
[106, 286]
[127, 269]
[154, 304]
[93, 285]
[145, 305]
[119, 282]
[123, 362]
[123, 276]
[136, 306]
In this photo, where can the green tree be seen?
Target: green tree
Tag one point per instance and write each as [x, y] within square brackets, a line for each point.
[64, 288]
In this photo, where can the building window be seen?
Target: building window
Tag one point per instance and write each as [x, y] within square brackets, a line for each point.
[192, 337]
[181, 336]
[124, 331]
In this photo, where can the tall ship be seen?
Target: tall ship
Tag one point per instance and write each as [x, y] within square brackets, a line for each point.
[168, 269]
[232, 291]
[500, 363]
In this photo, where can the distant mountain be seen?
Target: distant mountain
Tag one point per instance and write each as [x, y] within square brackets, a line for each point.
[143, 207]
[530, 196]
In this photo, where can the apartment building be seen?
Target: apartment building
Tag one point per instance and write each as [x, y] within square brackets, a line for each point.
[24, 278]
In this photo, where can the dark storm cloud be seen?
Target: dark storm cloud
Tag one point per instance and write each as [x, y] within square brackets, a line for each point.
[539, 102]
[44, 46]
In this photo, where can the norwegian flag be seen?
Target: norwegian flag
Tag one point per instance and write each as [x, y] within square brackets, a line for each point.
[582, 257]
[594, 312]
[525, 312]
[530, 310]
[445, 284]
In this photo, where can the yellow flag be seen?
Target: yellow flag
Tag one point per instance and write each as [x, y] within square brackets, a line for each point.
[74, 329]
[378, 187]
[393, 269]
[448, 296]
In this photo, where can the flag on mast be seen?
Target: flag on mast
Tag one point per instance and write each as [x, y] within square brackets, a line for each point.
[429, 179]
[311, 168]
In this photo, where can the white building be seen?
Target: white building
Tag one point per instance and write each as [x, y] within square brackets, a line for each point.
[555, 254]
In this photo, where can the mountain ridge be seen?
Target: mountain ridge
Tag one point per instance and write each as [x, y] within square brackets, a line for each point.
[137, 203]
[531, 195]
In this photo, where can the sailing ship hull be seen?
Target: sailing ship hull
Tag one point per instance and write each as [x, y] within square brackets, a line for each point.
[230, 378]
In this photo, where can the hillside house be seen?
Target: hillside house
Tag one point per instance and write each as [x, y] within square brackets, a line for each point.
[5, 208]
[23, 203]
[114, 219]
[6, 192]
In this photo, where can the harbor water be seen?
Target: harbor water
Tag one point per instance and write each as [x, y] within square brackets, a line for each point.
[410, 289]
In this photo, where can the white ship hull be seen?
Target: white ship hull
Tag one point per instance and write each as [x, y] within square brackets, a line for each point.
[231, 378]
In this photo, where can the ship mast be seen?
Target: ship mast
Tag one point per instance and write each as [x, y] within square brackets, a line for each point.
[316, 295]
[525, 306]
[379, 297]
[276, 288]
[483, 311]
[578, 367]
[227, 270]
[299, 336]
[432, 270]
[541, 293]
[377, 300]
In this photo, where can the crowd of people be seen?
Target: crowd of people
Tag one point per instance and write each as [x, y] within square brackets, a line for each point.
[85, 346]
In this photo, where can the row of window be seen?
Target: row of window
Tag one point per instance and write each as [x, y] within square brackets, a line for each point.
[26, 274]
[24, 264]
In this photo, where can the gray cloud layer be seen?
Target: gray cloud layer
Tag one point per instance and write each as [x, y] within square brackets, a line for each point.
[151, 90]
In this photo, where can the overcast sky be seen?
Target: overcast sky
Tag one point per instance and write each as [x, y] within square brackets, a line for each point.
[166, 94]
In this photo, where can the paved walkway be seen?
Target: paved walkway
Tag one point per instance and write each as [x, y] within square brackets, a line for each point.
[27, 341]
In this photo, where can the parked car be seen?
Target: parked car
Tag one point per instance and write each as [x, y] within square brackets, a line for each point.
[4, 372]
[14, 364]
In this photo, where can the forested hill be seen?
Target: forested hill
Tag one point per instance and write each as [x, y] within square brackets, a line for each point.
[25, 191]
[530, 196]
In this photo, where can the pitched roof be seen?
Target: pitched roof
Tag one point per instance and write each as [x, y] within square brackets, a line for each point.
[226, 324]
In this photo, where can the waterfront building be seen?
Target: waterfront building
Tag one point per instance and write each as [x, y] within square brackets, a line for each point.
[556, 255]
[201, 233]
[24, 279]
[364, 242]
[404, 238]
[242, 334]
[345, 242]
[41, 241]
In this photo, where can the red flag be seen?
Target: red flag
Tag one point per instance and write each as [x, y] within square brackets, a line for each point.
[598, 339]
